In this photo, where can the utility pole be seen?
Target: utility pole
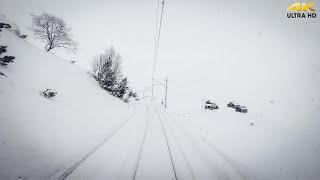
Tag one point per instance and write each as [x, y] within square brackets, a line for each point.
[166, 93]
[164, 84]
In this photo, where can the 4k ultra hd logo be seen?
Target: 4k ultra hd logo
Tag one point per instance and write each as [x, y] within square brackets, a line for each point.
[301, 10]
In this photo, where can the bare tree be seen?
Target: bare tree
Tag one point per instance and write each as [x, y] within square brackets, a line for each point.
[53, 31]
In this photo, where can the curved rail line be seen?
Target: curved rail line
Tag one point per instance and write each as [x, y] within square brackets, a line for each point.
[143, 142]
[212, 147]
[169, 149]
[180, 149]
[75, 165]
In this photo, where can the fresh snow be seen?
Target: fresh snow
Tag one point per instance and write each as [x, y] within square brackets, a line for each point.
[85, 133]
[40, 137]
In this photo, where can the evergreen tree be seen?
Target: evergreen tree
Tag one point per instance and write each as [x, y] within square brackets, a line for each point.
[122, 88]
[107, 76]
[106, 69]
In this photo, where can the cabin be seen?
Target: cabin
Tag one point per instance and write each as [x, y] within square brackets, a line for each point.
[210, 105]
[242, 109]
[233, 104]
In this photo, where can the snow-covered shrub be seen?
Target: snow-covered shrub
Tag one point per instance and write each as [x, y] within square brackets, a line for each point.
[23, 36]
[106, 69]
[2, 74]
[121, 89]
[49, 93]
[3, 49]
[4, 26]
[130, 95]
[6, 60]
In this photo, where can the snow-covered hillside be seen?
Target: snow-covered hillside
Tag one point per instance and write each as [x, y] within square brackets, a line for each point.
[40, 136]
[84, 133]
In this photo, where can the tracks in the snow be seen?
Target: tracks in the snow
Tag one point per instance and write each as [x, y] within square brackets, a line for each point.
[167, 143]
[180, 148]
[144, 139]
[75, 165]
[170, 140]
[143, 142]
[207, 142]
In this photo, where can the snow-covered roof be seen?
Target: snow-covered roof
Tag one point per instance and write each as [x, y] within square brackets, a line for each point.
[243, 107]
[235, 103]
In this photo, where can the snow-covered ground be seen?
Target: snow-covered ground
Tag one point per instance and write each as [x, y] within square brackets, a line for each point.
[282, 141]
[39, 136]
[159, 148]
[84, 133]
[279, 145]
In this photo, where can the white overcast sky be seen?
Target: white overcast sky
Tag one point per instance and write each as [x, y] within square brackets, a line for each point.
[196, 35]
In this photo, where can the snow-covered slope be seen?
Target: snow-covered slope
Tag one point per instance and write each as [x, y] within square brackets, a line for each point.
[42, 138]
[271, 67]
[14, 27]
[84, 133]
[281, 92]
[39, 136]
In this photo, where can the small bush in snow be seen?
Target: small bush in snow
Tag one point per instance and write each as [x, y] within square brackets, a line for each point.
[6, 60]
[4, 25]
[130, 95]
[23, 36]
[3, 49]
[2, 74]
[49, 93]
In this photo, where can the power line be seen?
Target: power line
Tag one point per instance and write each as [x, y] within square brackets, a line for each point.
[156, 30]
[157, 41]
[155, 48]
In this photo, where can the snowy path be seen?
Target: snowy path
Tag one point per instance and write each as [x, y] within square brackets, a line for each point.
[117, 158]
[156, 160]
[153, 145]
[201, 159]
[76, 164]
